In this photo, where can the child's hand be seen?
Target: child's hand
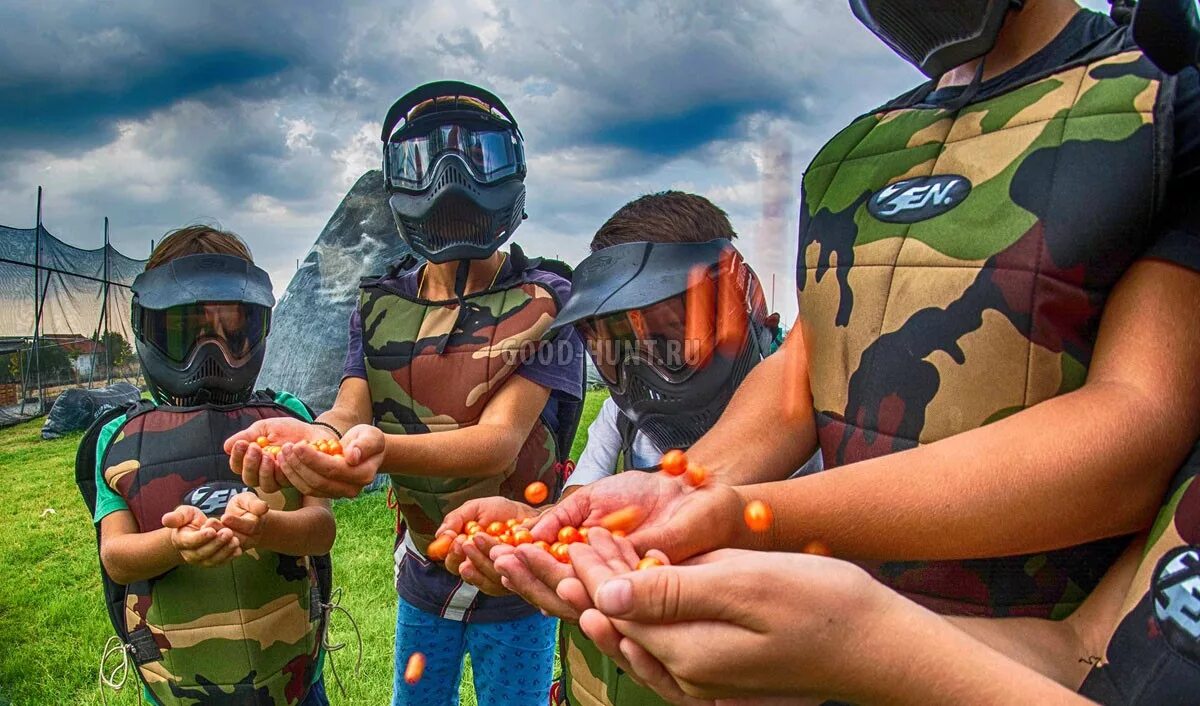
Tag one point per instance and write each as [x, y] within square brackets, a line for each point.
[258, 469]
[200, 540]
[363, 445]
[470, 558]
[246, 515]
[339, 476]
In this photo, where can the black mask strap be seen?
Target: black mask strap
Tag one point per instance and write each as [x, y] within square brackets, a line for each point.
[970, 91]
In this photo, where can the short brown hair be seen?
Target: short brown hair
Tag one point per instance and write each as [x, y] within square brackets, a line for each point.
[197, 240]
[665, 217]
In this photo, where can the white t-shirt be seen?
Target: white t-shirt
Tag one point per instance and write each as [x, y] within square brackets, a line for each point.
[599, 457]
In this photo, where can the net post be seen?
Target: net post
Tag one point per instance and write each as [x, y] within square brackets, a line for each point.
[106, 339]
[37, 298]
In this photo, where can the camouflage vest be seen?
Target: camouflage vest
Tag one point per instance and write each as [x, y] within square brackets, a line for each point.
[432, 367]
[589, 677]
[953, 267]
[246, 633]
[1153, 652]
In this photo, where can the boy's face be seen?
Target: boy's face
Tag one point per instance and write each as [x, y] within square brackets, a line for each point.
[227, 323]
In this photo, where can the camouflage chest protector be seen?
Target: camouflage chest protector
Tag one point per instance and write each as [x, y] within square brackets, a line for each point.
[248, 632]
[953, 268]
[433, 366]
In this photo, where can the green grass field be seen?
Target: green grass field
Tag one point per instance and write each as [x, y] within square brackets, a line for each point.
[52, 622]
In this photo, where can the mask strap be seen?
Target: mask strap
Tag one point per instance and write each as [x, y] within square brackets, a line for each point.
[970, 91]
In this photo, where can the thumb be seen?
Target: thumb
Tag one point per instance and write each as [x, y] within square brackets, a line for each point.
[252, 503]
[668, 594]
[183, 516]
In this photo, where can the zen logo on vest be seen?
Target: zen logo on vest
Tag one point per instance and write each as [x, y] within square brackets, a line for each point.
[212, 498]
[1177, 599]
[920, 199]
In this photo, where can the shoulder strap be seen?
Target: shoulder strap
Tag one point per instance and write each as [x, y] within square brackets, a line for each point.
[85, 455]
[626, 431]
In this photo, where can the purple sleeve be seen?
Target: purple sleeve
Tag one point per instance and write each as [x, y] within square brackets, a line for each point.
[355, 366]
[559, 364]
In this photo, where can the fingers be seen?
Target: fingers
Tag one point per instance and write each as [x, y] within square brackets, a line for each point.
[187, 540]
[668, 594]
[184, 516]
[361, 442]
[250, 460]
[249, 502]
[243, 525]
[316, 474]
[646, 669]
[573, 592]
[477, 549]
[255, 430]
[518, 576]
[228, 550]
[601, 631]
[570, 511]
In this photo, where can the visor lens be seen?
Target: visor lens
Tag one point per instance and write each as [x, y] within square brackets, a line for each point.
[660, 336]
[177, 331]
[490, 154]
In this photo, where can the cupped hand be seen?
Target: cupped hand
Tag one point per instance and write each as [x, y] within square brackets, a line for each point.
[721, 626]
[323, 475]
[533, 574]
[676, 519]
[470, 557]
[200, 540]
[257, 468]
[246, 514]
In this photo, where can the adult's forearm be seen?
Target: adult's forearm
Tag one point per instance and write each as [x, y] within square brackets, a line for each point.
[912, 656]
[1067, 471]
[308, 531]
[476, 451]
[755, 441]
[138, 556]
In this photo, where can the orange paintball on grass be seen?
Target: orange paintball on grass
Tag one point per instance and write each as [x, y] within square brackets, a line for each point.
[758, 516]
[414, 669]
[674, 462]
[536, 493]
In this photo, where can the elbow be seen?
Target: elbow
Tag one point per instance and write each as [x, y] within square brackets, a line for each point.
[113, 567]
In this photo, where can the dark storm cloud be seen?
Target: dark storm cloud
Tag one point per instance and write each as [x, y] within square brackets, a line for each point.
[72, 70]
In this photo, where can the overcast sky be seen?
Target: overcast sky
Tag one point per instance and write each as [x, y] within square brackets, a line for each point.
[259, 115]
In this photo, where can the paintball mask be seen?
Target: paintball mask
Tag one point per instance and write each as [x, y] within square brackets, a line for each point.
[1168, 31]
[673, 329]
[200, 324]
[454, 165]
[936, 35]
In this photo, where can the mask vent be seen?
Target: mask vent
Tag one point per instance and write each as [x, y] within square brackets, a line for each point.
[920, 29]
[208, 370]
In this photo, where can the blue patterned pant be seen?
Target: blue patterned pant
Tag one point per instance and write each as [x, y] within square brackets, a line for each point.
[512, 661]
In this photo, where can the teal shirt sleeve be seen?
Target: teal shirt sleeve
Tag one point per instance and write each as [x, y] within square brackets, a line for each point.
[107, 500]
[287, 399]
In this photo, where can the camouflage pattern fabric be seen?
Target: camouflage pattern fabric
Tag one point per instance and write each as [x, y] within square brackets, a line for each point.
[952, 271]
[1153, 653]
[591, 678]
[432, 368]
[246, 633]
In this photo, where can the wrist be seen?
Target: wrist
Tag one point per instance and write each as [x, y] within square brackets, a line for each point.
[336, 432]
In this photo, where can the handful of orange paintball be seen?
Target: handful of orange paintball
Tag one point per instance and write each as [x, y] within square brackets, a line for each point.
[331, 447]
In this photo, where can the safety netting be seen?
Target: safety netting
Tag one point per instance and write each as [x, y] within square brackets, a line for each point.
[64, 320]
